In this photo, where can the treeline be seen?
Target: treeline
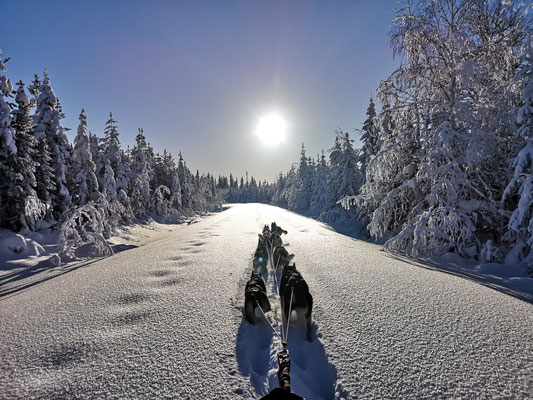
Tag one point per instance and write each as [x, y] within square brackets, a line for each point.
[446, 161]
[312, 186]
[46, 181]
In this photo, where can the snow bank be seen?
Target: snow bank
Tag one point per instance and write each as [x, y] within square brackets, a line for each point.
[512, 277]
[14, 246]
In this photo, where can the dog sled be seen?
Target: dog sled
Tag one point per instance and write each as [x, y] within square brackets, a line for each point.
[293, 293]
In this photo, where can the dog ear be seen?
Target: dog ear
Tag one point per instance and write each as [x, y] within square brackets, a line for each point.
[261, 237]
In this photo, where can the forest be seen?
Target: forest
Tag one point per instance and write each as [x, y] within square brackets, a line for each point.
[445, 163]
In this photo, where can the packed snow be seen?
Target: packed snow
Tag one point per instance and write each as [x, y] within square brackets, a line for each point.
[163, 319]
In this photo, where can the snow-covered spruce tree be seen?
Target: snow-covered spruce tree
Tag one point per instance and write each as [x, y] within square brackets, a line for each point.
[82, 177]
[139, 181]
[8, 149]
[23, 206]
[35, 89]
[348, 173]
[335, 156]
[184, 176]
[98, 156]
[300, 197]
[122, 177]
[321, 198]
[278, 196]
[109, 185]
[369, 138]
[44, 175]
[166, 174]
[346, 177]
[518, 195]
[111, 143]
[362, 205]
[47, 121]
[199, 194]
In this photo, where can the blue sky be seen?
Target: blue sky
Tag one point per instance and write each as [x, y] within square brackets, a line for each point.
[197, 75]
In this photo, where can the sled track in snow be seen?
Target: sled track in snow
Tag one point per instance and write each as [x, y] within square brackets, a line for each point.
[312, 376]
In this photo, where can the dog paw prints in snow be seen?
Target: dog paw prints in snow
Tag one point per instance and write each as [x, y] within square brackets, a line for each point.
[170, 282]
[175, 258]
[132, 299]
[160, 273]
[197, 244]
[182, 264]
[129, 318]
[179, 262]
[165, 278]
[64, 355]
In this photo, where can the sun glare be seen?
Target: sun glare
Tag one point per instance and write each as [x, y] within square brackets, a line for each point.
[271, 129]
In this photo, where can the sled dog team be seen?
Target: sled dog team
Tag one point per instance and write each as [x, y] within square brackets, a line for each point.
[291, 284]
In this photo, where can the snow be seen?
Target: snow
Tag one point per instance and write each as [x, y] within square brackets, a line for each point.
[14, 246]
[163, 319]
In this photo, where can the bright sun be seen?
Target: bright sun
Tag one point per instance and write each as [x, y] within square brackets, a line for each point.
[271, 129]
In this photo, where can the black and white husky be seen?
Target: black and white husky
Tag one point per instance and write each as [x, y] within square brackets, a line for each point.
[255, 295]
[271, 237]
[281, 258]
[261, 257]
[293, 284]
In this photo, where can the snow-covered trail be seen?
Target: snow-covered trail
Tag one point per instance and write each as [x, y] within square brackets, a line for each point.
[164, 321]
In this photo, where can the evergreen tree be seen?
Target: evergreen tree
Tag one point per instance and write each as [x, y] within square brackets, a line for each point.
[109, 185]
[98, 156]
[47, 121]
[111, 144]
[7, 141]
[184, 182]
[26, 208]
[44, 174]
[35, 89]
[301, 195]
[139, 182]
[369, 137]
[8, 150]
[322, 199]
[83, 181]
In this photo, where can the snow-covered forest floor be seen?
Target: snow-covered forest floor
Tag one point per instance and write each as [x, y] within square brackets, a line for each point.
[36, 252]
[512, 278]
[163, 319]
[29, 259]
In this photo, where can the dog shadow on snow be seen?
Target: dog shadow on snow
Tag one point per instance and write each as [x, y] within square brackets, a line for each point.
[312, 376]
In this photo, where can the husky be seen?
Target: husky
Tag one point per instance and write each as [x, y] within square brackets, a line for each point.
[281, 257]
[261, 257]
[277, 230]
[260, 262]
[275, 235]
[254, 296]
[302, 301]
